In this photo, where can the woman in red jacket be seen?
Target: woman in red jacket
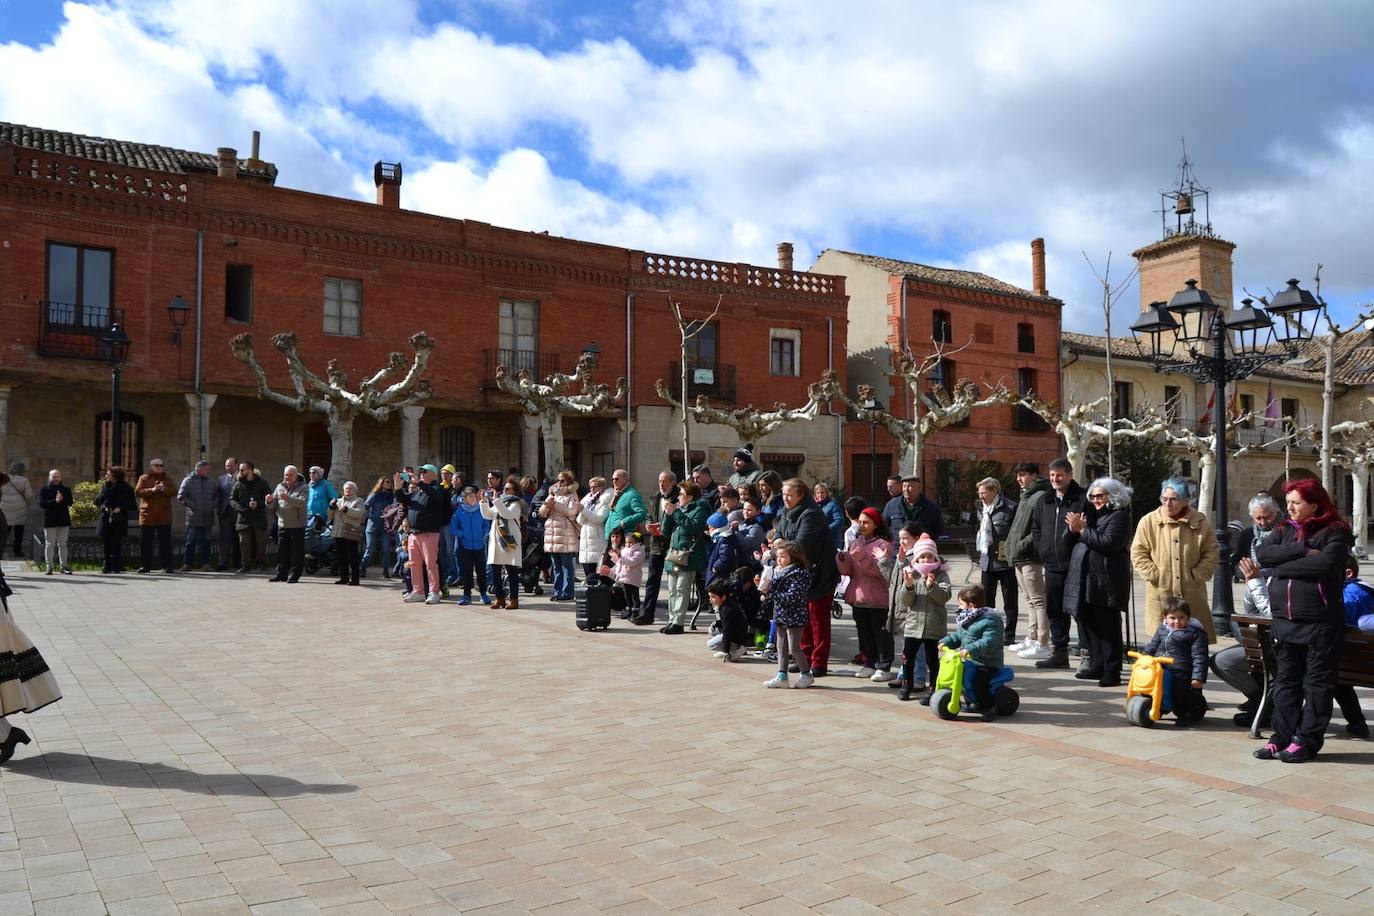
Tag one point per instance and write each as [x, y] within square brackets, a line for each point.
[868, 564]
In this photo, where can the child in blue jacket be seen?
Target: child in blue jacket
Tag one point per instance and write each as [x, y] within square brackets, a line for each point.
[979, 637]
[470, 543]
[1181, 637]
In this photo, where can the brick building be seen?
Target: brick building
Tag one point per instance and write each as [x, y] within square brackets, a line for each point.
[1009, 336]
[94, 230]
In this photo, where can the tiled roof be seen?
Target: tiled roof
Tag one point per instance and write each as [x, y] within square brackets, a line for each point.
[966, 279]
[121, 152]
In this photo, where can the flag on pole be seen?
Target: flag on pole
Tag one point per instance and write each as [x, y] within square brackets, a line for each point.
[1271, 409]
[1206, 419]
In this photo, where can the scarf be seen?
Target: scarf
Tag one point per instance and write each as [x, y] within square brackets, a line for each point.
[984, 542]
[966, 616]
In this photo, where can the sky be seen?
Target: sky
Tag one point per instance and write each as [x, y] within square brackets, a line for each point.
[950, 134]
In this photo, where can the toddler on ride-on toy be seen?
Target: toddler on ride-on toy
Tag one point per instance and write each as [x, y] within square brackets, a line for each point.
[1154, 689]
[971, 659]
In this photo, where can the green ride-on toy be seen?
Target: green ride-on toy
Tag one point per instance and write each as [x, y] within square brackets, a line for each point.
[954, 687]
[1149, 693]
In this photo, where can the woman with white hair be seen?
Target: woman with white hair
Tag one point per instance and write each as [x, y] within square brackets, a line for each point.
[1098, 587]
[1175, 551]
[348, 516]
[1265, 516]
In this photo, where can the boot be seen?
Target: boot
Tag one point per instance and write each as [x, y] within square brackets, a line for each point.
[1059, 658]
[512, 605]
[498, 603]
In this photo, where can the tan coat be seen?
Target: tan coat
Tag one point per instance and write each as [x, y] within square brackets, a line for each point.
[1176, 557]
[348, 518]
[155, 508]
[561, 531]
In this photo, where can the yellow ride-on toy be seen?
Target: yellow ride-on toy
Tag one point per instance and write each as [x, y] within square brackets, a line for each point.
[1149, 693]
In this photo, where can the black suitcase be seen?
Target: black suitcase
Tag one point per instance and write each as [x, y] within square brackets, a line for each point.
[593, 600]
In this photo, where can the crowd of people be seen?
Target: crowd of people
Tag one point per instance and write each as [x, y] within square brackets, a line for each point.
[771, 556]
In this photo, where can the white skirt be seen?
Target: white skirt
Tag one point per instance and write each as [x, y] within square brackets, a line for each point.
[26, 684]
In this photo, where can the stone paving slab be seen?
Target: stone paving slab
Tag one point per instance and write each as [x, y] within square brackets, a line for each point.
[239, 746]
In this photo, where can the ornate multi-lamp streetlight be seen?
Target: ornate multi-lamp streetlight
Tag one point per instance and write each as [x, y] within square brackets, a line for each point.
[1224, 346]
[117, 344]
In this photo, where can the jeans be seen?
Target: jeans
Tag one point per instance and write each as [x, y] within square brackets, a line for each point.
[381, 545]
[497, 578]
[197, 536]
[448, 564]
[424, 551]
[1030, 577]
[472, 563]
[1007, 579]
[55, 541]
[163, 533]
[564, 566]
[290, 553]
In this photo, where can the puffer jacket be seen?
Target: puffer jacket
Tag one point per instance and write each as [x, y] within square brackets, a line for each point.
[868, 564]
[561, 531]
[15, 499]
[900, 596]
[200, 496]
[1307, 575]
[290, 503]
[927, 617]
[1020, 537]
[1100, 571]
[1187, 647]
[1176, 557]
[469, 526]
[629, 564]
[155, 508]
[786, 597]
[348, 517]
[593, 511]
[322, 493]
[838, 523]
[982, 637]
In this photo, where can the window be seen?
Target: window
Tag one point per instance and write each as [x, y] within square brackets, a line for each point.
[1247, 409]
[238, 292]
[1121, 399]
[343, 302]
[458, 446]
[1173, 404]
[1185, 467]
[703, 347]
[1289, 409]
[130, 443]
[1025, 418]
[1025, 338]
[784, 351]
[518, 328]
[787, 464]
[80, 285]
[941, 330]
[944, 375]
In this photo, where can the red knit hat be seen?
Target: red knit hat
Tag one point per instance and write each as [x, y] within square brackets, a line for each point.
[873, 514]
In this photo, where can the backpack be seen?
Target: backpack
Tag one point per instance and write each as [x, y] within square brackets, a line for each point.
[393, 516]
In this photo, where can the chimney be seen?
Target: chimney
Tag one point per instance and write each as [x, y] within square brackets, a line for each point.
[1038, 267]
[387, 176]
[785, 256]
[228, 159]
[253, 159]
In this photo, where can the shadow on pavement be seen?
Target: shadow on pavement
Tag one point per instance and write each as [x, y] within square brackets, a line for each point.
[61, 766]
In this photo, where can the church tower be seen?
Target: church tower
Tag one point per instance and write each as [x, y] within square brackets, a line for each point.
[1187, 250]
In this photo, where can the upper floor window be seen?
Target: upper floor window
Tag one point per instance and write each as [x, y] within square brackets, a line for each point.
[1121, 399]
[518, 328]
[343, 306]
[1025, 338]
[80, 285]
[1173, 404]
[784, 351]
[941, 330]
[1247, 410]
[238, 292]
[703, 348]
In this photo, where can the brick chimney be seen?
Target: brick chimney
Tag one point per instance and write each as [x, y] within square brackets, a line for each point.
[785, 256]
[387, 175]
[1038, 267]
[228, 162]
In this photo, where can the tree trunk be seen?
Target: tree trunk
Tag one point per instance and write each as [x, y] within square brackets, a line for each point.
[1207, 476]
[1328, 395]
[1076, 451]
[341, 458]
[1359, 474]
[917, 439]
[551, 431]
[686, 419]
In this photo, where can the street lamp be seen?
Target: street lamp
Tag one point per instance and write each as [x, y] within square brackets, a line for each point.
[872, 405]
[177, 313]
[117, 344]
[1225, 345]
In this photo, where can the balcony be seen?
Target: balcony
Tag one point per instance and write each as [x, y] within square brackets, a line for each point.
[75, 331]
[716, 382]
[538, 365]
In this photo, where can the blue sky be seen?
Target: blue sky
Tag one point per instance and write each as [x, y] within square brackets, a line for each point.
[944, 133]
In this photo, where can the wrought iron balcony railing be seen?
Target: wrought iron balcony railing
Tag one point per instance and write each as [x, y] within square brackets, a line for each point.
[75, 331]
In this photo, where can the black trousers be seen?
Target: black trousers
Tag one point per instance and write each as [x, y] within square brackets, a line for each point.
[1007, 579]
[164, 546]
[1054, 608]
[1349, 703]
[290, 553]
[230, 556]
[910, 646]
[113, 543]
[875, 642]
[350, 560]
[1306, 682]
[1101, 628]
[651, 585]
[18, 541]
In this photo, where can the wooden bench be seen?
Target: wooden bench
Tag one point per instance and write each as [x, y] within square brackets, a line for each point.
[1354, 669]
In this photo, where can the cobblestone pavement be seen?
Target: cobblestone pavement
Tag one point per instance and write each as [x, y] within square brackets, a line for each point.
[230, 746]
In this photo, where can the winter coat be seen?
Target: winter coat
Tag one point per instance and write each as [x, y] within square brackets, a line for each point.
[200, 496]
[838, 523]
[376, 504]
[504, 513]
[427, 508]
[629, 564]
[244, 492]
[658, 546]
[725, 557]
[1359, 602]
[116, 494]
[290, 504]
[322, 493]
[561, 534]
[806, 524]
[1003, 511]
[15, 499]
[1176, 557]
[592, 513]
[226, 482]
[734, 623]
[470, 528]
[927, 613]
[1021, 535]
[1100, 570]
[627, 511]
[1053, 539]
[981, 637]
[786, 597]
[750, 536]
[685, 529]
[711, 493]
[56, 514]
[1187, 647]
[897, 513]
[1307, 574]
[750, 474]
[900, 596]
[347, 518]
[155, 508]
[770, 511]
[868, 564]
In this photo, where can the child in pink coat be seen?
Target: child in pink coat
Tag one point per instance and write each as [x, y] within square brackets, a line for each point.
[867, 561]
[626, 557]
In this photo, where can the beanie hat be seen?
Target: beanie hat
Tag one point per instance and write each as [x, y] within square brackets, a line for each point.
[876, 516]
[717, 520]
[450, 468]
[744, 452]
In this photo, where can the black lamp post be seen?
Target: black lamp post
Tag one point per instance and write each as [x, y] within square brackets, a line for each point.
[872, 404]
[178, 312]
[1221, 348]
[117, 344]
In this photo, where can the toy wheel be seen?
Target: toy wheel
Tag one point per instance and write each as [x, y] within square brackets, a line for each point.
[1006, 701]
[1138, 712]
[312, 566]
[836, 610]
[939, 701]
[539, 589]
[1191, 712]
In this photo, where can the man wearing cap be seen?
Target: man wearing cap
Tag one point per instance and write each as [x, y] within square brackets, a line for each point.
[746, 471]
[448, 556]
[914, 506]
[428, 512]
[322, 493]
[200, 495]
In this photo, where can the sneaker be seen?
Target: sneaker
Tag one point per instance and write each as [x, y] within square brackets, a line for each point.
[882, 677]
[806, 680]
[778, 680]
[1296, 753]
[770, 654]
[736, 654]
[1269, 752]
[865, 671]
[405, 596]
[721, 655]
[66, 570]
[432, 599]
[485, 599]
[1035, 652]
[414, 598]
[466, 599]
[1024, 644]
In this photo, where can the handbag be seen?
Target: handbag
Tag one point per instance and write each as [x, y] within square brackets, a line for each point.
[678, 557]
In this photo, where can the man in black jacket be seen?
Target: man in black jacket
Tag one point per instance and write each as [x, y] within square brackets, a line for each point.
[992, 515]
[1054, 543]
[427, 512]
[914, 506]
[804, 522]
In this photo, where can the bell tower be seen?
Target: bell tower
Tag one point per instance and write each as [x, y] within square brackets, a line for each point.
[1188, 249]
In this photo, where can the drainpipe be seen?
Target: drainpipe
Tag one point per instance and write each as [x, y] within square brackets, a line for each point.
[629, 378]
[200, 315]
[839, 427]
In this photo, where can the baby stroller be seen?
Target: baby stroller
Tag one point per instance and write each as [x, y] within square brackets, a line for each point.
[319, 547]
[533, 564]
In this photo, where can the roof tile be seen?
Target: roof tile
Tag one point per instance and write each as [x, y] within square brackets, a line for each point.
[121, 152]
[966, 279]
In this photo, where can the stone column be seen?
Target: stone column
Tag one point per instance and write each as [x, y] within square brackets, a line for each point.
[529, 445]
[4, 426]
[410, 435]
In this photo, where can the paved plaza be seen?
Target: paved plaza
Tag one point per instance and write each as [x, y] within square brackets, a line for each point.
[236, 746]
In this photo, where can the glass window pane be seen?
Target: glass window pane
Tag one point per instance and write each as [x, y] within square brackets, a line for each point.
[62, 273]
[95, 288]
